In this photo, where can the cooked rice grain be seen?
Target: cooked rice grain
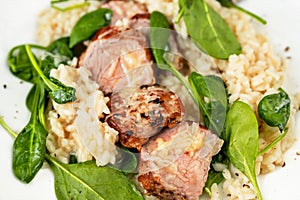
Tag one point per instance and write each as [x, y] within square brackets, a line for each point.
[74, 128]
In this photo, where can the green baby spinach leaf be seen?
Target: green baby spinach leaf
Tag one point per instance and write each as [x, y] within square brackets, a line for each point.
[208, 29]
[214, 117]
[213, 177]
[159, 37]
[241, 140]
[89, 24]
[274, 109]
[47, 64]
[210, 86]
[87, 181]
[159, 40]
[198, 86]
[29, 148]
[30, 98]
[19, 63]
[61, 47]
[126, 161]
[57, 91]
[230, 4]
[214, 111]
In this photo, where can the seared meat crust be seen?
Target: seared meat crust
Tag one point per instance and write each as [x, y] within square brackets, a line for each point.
[143, 113]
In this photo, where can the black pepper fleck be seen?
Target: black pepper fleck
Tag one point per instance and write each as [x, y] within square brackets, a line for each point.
[4, 86]
[283, 165]
[286, 49]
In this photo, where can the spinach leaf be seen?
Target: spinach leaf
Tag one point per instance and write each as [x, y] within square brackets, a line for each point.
[274, 109]
[159, 37]
[213, 177]
[47, 64]
[19, 63]
[126, 161]
[241, 140]
[208, 29]
[230, 4]
[61, 47]
[57, 91]
[30, 98]
[87, 181]
[73, 159]
[89, 24]
[30, 145]
[214, 112]
[214, 116]
[198, 86]
[210, 86]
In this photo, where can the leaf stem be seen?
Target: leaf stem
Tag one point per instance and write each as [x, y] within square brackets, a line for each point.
[272, 144]
[261, 20]
[37, 68]
[180, 15]
[55, 5]
[180, 77]
[7, 128]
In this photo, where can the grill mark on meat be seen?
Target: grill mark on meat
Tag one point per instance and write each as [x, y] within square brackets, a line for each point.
[143, 113]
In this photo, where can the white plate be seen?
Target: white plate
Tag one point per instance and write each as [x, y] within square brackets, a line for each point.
[17, 25]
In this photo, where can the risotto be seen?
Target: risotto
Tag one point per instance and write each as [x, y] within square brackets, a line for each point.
[249, 76]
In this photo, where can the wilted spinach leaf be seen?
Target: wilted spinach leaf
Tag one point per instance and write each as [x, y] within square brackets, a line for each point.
[216, 116]
[213, 177]
[214, 111]
[19, 63]
[57, 91]
[126, 161]
[159, 38]
[30, 145]
[210, 86]
[274, 109]
[61, 47]
[89, 24]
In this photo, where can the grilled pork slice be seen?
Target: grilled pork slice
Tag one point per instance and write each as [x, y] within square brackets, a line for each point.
[175, 163]
[124, 9]
[140, 113]
[112, 56]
